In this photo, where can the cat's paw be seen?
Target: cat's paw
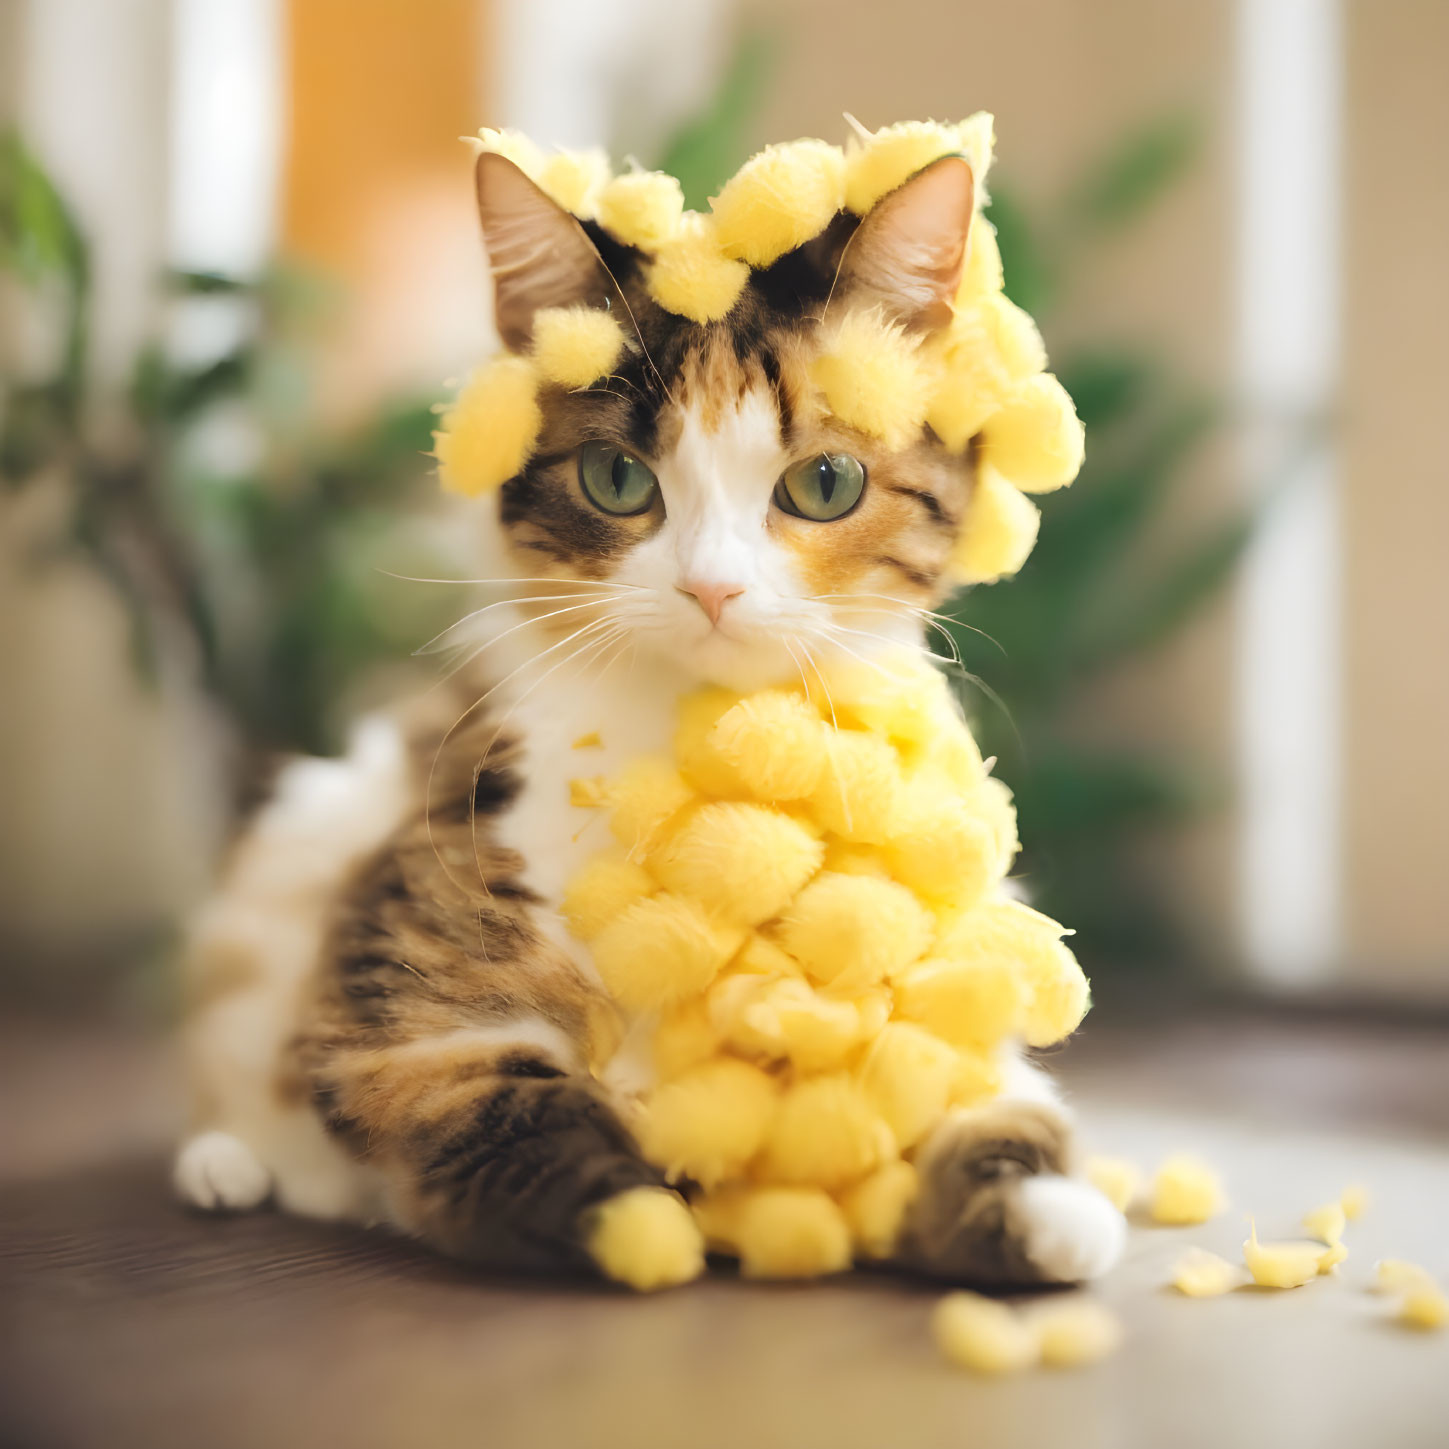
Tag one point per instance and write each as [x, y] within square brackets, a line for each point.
[646, 1238]
[219, 1172]
[1069, 1231]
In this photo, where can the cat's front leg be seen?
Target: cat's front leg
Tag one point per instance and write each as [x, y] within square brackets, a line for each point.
[997, 1205]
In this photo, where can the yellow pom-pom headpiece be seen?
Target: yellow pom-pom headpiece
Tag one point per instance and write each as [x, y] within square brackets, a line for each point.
[982, 378]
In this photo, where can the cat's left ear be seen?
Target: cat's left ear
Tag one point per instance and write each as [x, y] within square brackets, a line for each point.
[538, 253]
[908, 252]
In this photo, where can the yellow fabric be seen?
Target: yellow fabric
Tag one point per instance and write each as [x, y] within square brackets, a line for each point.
[822, 989]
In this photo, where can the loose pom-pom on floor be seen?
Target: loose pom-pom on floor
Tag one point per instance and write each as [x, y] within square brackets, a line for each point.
[1118, 1180]
[774, 742]
[907, 1076]
[744, 862]
[660, 951]
[1036, 439]
[876, 1206]
[574, 179]
[826, 1133]
[692, 278]
[1185, 1192]
[790, 1232]
[1280, 1265]
[646, 1239]
[1075, 1332]
[641, 208]
[778, 200]
[850, 931]
[998, 532]
[1200, 1274]
[983, 1335]
[602, 890]
[874, 377]
[490, 430]
[708, 1122]
[574, 346]
[878, 162]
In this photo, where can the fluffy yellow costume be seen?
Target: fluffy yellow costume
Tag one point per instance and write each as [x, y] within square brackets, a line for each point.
[805, 902]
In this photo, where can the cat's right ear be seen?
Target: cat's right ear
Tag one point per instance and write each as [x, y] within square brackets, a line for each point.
[539, 255]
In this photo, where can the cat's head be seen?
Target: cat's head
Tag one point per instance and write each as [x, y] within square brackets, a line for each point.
[736, 525]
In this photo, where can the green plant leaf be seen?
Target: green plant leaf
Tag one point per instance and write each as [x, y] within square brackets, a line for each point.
[1030, 280]
[1133, 174]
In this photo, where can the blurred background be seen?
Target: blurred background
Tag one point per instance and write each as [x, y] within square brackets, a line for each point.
[238, 261]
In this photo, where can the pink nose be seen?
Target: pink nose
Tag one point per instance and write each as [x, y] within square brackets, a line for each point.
[711, 597]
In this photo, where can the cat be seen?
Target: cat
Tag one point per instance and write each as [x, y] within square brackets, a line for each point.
[389, 1022]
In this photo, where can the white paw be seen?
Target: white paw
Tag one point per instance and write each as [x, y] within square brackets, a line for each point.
[216, 1170]
[1071, 1232]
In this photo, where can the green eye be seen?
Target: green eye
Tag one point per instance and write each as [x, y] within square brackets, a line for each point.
[824, 487]
[616, 481]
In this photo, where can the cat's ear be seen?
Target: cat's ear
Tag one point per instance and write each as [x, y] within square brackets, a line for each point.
[539, 255]
[908, 252]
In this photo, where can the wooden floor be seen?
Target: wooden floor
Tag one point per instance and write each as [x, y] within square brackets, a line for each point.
[125, 1321]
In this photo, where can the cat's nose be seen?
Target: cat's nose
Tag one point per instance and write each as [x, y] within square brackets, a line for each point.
[710, 595]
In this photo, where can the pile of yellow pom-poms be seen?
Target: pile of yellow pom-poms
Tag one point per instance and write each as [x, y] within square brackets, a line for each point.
[983, 376]
[805, 902]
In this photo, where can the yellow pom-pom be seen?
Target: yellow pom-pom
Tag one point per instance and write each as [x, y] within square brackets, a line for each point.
[646, 1238]
[490, 430]
[851, 931]
[1074, 1332]
[969, 1003]
[940, 849]
[1116, 1179]
[641, 208]
[846, 859]
[698, 757]
[815, 1032]
[790, 1232]
[991, 347]
[660, 951]
[1036, 440]
[760, 956]
[685, 1037]
[1326, 1223]
[998, 532]
[574, 179]
[982, 275]
[514, 145]
[1200, 1274]
[605, 887]
[1185, 1191]
[646, 797]
[574, 346]
[1059, 995]
[825, 1132]
[992, 802]
[858, 795]
[1280, 1265]
[744, 862]
[875, 1207]
[1395, 1275]
[878, 163]
[874, 377]
[907, 1076]
[983, 1335]
[978, 1076]
[1424, 1307]
[691, 277]
[1354, 1201]
[708, 1122]
[775, 744]
[778, 200]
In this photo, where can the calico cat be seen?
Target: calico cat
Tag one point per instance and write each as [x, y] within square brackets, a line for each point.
[390, 1022]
